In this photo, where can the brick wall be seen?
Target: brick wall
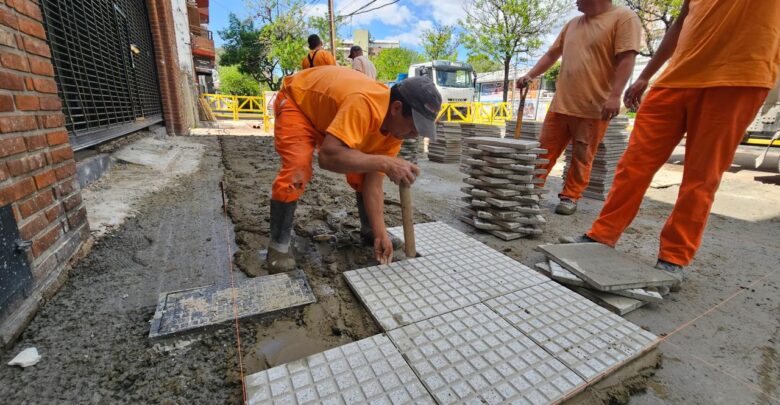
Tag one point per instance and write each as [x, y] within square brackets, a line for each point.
[37, 169]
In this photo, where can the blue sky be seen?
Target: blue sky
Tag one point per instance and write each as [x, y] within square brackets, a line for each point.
[402, 21]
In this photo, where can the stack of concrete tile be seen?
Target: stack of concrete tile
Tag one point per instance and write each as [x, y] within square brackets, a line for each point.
[606, 276]
[446, 147]
[409, 150]
[484, 130]
[604, 164]
[531, 130]
[502, 196]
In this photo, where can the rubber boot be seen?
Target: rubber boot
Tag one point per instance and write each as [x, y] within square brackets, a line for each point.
[280, 258]
[366, 233]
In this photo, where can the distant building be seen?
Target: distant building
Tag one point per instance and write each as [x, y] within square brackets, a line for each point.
[371, 47]
[202, 41]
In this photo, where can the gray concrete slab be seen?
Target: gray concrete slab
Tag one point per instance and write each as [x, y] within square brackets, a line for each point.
[437, 237]
[587, 338]
[367, 371]
[472, 355]
[604, 268]
[616, 303]
[187, 310]
[501, 142]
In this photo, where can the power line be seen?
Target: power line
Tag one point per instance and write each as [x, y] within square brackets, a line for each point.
[372, 9]
[361, 8]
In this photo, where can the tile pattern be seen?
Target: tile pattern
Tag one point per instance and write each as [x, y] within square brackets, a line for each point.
[587, 338]
[472, 355]
[186, 310]
[437, 237]
[367, 371]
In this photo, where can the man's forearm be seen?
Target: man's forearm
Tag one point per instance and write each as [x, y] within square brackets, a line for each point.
[342, 159]
[623, 71]
[668, 45]
[374, 197]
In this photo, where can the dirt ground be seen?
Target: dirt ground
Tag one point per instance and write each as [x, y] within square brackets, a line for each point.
[92, 335]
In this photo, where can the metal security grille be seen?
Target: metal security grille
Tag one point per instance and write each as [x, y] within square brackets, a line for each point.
[105, 68]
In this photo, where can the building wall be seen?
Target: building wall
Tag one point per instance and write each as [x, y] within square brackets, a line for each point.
[188, 90]
[37, 169]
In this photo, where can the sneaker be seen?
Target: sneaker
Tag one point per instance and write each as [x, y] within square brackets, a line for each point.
[675, 270]
[576, 239]
[566, 207]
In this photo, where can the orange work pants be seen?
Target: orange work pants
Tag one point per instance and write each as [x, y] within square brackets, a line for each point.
[585, 135]
[295, 140]
[715, 120]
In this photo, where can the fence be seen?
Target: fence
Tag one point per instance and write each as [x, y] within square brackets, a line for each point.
[238, 107]
[476, 113]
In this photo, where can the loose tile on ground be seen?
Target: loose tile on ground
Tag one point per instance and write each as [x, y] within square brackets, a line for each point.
[437, 237]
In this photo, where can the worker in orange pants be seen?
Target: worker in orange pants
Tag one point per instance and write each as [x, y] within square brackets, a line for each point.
[725, 56]
[357, 124]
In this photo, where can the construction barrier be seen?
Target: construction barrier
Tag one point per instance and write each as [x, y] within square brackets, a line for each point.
[476, 113]
[238, 107]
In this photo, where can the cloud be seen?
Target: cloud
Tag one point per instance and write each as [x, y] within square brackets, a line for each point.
[392, 15]
[315, 10]
[412, 38]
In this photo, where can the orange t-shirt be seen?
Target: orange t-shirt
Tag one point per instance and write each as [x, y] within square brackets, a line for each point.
[726, 43]
[320, 57]
[588, 47]
[346, 104]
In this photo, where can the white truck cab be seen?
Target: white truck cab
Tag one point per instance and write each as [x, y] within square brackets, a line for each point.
[454, 80]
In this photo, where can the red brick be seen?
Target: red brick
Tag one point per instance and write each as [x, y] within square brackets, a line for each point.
[45, 241]
[27, 164]
[4, 172]
[36, 203]
[14, 61]
[57, 137]
[7, 38]
[27, 103]
[8, 18]
[34, 226]
[11, 146]
[35, 142]
[72, 202]
[6, 103]
[45, 85]
[45, 179]
[65, 171]
[17, 123]
[41, 66]
[11, 81]
[32, 27]
[54, 212]
[65, 189]
[51, 103]
[28, 8]
[62, 154]
[37, 47]
[51, 120]
[16, 191]
[77, 218]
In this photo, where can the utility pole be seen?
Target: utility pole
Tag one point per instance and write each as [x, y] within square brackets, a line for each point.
[332, 17]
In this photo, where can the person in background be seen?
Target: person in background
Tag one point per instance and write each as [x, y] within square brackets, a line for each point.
[317, 56]
[361, 63]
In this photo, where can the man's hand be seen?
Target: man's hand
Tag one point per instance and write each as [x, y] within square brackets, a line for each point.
[524, 81]
[383, 249]
[611, 108]
[633, 96]
[400, 171]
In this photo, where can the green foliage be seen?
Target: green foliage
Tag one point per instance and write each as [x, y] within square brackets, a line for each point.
[233, 82]
[656, 17]
[321, 26]
[552, 74]
[390, 62]
[502, 29]
[243, 49]
[439, 43]
[482, 63]
[284, 34]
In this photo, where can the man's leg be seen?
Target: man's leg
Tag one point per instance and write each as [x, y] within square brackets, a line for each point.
[294, 139]
[355, 181]
[659, 127]
[717, 120]
[587, 134]
[554, 137]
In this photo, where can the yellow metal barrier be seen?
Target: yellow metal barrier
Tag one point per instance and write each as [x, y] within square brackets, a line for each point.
[238, 107]
[475, 113]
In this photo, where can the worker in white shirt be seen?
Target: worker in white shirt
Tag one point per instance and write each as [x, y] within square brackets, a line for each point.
[361, 63]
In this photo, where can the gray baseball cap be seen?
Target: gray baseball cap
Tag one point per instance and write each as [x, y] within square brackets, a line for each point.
[425, 100]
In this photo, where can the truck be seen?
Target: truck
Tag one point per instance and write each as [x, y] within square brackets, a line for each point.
[454, 80]
[761, 144]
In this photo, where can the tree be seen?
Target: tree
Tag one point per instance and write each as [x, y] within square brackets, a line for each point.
[439, 43]
[482, 63]
[233, 82]
[320, 25]
[244, 50]
[283, 34]
[553, 72]
[656, 17]
[501, 29]
[390, 62]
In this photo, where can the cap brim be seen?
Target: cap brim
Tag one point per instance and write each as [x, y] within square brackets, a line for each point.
[425, 127]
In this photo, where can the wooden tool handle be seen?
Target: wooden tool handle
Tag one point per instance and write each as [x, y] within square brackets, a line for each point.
[408, 221]
[520, 108]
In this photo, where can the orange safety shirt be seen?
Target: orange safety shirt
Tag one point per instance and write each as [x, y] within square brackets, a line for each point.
[345, 104]
[726, 43]
[320, 57]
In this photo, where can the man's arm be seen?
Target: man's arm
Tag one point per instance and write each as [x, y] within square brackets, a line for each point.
[665, 51]
[544, 64]
[374, 197]
[625, 65]
[337, 157]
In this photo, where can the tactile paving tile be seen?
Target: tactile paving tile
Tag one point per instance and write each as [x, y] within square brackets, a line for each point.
[437, 237]
[371, 370]
[185, 310]
[408, 291]
[586, 337]
[472, 355]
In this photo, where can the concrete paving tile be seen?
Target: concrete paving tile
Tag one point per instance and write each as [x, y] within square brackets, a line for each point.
[584, 336]
[616, 303]
[604, 268]
[561, 275]
[437, 237]
[186, 310]
[472, 355]
[371, 370]
[512, 143]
